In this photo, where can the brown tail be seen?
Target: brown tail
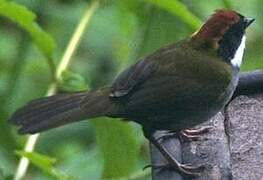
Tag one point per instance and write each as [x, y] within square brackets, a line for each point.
[50, 112]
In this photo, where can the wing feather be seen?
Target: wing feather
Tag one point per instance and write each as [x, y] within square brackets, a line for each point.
[132, 77]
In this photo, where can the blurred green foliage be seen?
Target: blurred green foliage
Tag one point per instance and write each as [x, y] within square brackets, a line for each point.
[27, 20]
[120, 32]
[45, 164]
[118, 147]
[70, 82]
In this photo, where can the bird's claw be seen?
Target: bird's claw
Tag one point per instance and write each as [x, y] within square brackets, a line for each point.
[170, 134]
[184, 169]
[186, 135]
[191, 170]
[194, 134]
[198, 131]
[155, 166]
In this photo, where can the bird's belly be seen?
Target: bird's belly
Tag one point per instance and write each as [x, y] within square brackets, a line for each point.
[161, 104]
[180, 120]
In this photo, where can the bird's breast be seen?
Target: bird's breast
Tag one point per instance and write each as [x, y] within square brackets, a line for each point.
[184, 95]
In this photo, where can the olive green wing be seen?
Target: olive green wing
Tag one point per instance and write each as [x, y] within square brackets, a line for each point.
[132, 77]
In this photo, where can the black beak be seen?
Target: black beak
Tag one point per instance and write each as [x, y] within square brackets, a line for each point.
[248, 21]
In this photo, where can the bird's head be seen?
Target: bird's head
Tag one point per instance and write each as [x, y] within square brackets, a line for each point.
[224, 32]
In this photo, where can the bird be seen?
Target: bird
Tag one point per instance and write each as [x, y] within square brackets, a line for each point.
[177, 87]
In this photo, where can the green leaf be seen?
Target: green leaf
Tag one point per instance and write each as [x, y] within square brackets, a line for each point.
[27, 20]
[42, 161]
[227, 4]
[70, 82]
[45, 163]
[9, 177]
[1, 174]
[118, 146]
[178, 9]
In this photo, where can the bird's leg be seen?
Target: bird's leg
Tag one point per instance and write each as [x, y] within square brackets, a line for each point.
[172, 162]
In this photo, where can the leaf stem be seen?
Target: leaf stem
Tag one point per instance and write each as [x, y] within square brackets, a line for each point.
[63, 65]
[84, 21]
[227, 4]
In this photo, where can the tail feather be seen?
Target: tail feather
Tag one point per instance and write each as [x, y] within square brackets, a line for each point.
[49, 112]
[57, 100]
[42, 106]
[41, 115]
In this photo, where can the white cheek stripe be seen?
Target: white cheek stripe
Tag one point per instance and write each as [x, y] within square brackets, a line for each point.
[237, 60]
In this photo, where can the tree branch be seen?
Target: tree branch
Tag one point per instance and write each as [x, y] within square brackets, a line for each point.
[224, 145]
[249, 83]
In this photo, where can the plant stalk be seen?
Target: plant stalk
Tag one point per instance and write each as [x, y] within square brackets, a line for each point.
[63, 65]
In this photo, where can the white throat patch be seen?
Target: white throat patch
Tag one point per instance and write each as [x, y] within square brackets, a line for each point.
[237, 60]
